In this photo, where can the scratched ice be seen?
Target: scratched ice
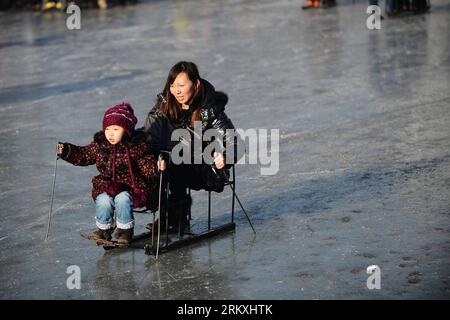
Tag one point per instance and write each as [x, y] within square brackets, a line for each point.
[364, 119]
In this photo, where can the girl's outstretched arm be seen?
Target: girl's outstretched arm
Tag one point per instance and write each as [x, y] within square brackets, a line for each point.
[78, 155]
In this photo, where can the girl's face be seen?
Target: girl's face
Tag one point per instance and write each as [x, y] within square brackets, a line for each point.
[183, 89]
[114, 134]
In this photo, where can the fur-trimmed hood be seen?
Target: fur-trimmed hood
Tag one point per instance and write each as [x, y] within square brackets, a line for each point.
[214, 99]
[212, 116]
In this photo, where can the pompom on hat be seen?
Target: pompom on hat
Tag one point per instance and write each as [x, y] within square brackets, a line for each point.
[121, 115]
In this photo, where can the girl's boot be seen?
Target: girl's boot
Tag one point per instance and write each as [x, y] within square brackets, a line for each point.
[102, 234]
[124, 236]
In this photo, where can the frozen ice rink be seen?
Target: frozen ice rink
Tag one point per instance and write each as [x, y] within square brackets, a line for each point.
[364, 153]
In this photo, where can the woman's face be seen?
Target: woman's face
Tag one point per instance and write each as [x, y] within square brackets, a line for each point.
[114, 134]
[183, 89]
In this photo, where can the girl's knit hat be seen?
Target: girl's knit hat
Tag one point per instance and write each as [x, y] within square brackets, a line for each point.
[121, 115]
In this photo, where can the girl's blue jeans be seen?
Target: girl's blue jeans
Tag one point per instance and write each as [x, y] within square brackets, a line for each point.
[104, 211]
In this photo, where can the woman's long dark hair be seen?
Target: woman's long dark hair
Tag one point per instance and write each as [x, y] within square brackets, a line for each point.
[172, 108]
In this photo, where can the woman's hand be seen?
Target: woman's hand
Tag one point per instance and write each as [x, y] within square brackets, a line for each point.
[219, 160]
[161, 165]
[60, 149]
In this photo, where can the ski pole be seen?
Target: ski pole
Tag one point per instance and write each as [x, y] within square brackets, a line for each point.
[160, 157]
[159, 199]
[223, 176]
[53, 194]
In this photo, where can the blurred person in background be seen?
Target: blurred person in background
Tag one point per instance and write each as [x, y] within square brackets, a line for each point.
[319, 4]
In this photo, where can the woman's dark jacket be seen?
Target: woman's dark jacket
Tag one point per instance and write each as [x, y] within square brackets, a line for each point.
[212, 117]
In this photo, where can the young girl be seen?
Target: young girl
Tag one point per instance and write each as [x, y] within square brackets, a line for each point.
[128, 172]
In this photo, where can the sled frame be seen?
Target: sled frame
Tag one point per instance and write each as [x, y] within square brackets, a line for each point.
[189, 238]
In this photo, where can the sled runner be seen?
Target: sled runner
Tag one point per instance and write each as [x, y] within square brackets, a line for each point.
[113, 244]
[174, 241]
[106, 244]
[169, 240]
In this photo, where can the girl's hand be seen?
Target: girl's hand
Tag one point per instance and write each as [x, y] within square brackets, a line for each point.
[161, 165]
[60, 149]
[219, 160]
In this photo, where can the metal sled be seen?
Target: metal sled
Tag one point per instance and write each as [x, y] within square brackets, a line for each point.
[178, 240]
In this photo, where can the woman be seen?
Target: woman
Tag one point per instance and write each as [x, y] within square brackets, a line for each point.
[187, 98]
